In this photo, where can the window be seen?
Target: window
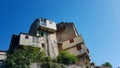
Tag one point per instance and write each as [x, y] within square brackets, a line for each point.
[60, 47]
[79, 47]
[43, 22]
[43, 45]
[87, 67]
[26, 37]
[42, 34]
[71, 40]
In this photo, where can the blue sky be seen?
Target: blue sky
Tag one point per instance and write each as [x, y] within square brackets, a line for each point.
[98, 21]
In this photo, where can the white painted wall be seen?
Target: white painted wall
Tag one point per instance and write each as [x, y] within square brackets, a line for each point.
[3, 55]
[49, 24]
[31, 40]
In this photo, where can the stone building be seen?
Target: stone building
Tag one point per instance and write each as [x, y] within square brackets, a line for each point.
[42, 34]
[69, 40]
[46, 29]
[54, 38]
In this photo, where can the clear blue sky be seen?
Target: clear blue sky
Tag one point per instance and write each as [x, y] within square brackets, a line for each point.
[97, 20]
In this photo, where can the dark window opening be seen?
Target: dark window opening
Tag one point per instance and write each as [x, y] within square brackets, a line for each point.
[71, 40]
[79, 47]
[26, 37]
[44, 20]
[43, 45]
[60, 47]
[42, 34]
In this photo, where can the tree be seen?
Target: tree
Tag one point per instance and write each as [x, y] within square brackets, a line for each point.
[23, 57]
[107, 64]
[66, 58]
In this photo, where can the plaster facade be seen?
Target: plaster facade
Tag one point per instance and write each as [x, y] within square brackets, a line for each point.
[69, 40]
[3, 55]
[45, 34]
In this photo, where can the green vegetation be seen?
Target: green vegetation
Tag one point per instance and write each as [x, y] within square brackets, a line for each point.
[66, 58]
[107, 64]
[63, 58]
[23, 57]
[52, 65]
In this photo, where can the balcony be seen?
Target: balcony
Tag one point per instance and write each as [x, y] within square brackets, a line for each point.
[71, 43]
[47, 25]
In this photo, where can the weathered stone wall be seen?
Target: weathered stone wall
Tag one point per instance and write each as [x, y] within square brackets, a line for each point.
[66, 31]
[53, 47]
[33, 27]
[29, 40]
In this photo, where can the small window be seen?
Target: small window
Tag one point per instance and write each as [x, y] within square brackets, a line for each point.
[79, 47]
[26, 37]
[71, 40]
[44, 20]
[87, 67]
[42, 34]
[60, 47]
[43, 45]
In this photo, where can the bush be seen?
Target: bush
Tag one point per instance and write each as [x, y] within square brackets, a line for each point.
[23, 57]
[52, 65]
[47, 59]
[107, 64]
[66, 58]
